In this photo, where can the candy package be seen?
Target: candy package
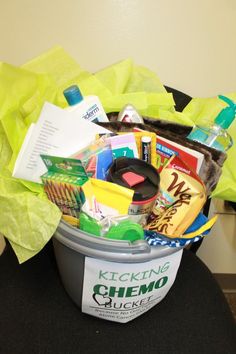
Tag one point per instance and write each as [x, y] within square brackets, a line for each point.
[181, 198]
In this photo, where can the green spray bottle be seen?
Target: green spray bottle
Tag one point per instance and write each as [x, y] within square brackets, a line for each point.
[216, 136]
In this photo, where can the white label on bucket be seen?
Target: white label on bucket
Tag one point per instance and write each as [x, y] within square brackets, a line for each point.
[121, 292]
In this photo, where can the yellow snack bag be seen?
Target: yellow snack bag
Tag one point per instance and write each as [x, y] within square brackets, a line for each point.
[182, 197]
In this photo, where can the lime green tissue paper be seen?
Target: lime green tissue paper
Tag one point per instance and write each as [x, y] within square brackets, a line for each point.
[177, 117]
[136, 85]
[5, 149]
[15, 86]
[26, 220]
[143, 79]
[56, 63]
[22, 94]
[116, 102]
[116, 76]
[64, 71]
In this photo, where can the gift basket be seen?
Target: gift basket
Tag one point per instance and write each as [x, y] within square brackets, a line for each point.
[119, 190]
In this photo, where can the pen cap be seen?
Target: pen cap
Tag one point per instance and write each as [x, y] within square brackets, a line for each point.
[146, 149]
[146, 139]
[73, 95]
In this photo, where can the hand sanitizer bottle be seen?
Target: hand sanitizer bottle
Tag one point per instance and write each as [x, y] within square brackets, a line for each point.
[216, 135]
[88, 107]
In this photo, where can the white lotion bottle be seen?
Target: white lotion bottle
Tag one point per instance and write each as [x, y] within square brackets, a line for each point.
[88, 107]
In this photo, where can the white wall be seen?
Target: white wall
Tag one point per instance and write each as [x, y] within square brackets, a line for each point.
[218, 249]
[190, 45]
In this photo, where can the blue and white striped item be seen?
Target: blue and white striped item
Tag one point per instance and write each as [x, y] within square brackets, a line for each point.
[155, 239]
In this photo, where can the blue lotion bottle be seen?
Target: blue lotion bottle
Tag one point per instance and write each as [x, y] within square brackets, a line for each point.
[216, 136]
[88, 107]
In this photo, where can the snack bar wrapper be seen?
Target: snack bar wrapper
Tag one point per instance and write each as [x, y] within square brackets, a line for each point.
[182, 196]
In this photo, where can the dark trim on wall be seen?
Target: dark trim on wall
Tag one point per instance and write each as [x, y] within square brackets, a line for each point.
[226, 281]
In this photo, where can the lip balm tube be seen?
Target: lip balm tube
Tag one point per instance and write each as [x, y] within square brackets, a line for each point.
[146, 149]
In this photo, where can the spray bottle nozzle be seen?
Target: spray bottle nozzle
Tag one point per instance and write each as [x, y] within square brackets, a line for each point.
[227, 114]
[228, 101]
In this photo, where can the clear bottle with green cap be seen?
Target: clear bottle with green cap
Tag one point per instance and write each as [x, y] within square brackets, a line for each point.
[87, 107]
[216, 135]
